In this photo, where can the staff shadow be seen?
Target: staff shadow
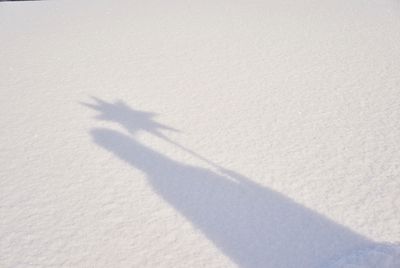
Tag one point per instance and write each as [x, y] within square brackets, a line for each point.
[252, 225]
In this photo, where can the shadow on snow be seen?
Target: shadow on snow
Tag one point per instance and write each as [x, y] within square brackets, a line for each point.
[252, 225]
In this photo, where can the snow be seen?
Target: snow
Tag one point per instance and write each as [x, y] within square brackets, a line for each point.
[200, 133]
[379, 256]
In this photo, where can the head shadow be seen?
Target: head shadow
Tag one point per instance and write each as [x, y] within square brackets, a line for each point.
[252, 225]
[130, 119]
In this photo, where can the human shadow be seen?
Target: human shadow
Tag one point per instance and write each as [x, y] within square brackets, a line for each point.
[252, 225]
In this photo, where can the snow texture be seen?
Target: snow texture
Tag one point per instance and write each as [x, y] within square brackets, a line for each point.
[257, 133]
[386, 256]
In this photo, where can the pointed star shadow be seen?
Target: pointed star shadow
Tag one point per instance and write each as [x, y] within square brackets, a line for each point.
[252, 225]
[130, 119]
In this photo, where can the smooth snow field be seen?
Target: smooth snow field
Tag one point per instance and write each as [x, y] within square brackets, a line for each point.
[225, 133]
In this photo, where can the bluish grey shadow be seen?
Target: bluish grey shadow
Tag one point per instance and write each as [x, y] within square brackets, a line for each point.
[252, 225]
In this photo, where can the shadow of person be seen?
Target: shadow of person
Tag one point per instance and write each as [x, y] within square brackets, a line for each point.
[250, 224]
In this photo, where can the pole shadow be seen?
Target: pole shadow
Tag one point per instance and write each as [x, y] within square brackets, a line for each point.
[252, 225]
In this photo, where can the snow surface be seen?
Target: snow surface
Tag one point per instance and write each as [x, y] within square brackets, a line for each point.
[379, 256]
[200, 133]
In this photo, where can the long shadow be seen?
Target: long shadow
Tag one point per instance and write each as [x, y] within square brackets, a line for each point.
[252, 225]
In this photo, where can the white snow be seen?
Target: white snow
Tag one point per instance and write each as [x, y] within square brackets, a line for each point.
[200, 133]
